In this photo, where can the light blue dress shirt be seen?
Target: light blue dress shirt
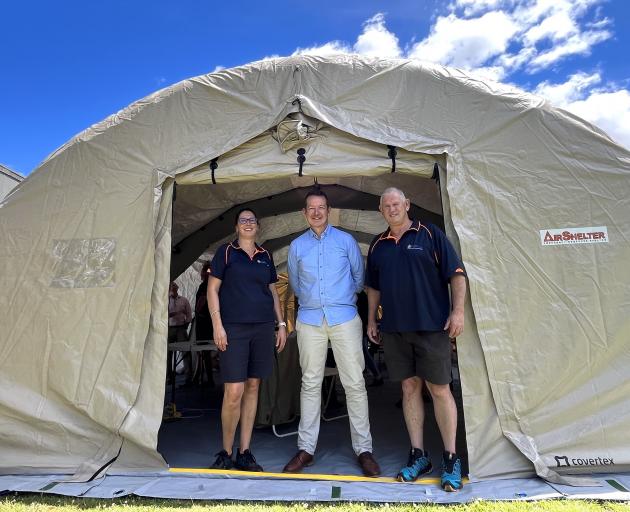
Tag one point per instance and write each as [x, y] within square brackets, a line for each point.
[326, 273]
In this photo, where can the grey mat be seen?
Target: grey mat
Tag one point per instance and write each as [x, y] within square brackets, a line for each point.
[213, 487]
[192, 441]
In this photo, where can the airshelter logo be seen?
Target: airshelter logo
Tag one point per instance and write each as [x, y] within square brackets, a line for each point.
[562, 461]
[570, 236]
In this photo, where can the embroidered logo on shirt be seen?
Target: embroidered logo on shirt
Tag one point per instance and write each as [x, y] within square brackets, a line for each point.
[263, 262]
[412, 247]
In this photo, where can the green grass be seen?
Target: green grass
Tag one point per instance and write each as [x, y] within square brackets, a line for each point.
[45, 503]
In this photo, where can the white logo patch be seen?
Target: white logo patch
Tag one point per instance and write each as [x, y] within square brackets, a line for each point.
[564, 236]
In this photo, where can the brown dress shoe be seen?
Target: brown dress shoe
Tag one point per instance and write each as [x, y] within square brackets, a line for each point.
[301, 460]
[369, 465]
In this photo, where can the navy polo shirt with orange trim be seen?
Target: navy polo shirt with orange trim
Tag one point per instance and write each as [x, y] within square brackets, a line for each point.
[244, 296]
[412, 274]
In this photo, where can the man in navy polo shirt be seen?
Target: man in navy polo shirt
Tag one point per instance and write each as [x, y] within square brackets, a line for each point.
[409, 269]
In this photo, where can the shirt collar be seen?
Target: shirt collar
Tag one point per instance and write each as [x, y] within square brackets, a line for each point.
[415, 226]
[235, 245]
[325, 233]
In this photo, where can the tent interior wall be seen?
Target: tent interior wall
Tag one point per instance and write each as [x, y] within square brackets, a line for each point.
[203, 215]
[354, 172]
[353, 209]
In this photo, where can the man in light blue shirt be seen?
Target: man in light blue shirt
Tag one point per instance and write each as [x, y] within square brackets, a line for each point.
[326, 273]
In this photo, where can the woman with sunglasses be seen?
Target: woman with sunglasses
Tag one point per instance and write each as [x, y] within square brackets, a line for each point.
[244, 308]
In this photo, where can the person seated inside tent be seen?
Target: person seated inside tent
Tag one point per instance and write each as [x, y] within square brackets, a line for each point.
[243, 304]
[179, 316]
[409, 269]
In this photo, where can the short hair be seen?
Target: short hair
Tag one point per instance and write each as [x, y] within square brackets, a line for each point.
[392, 190]
[238, 214]
[316, 192]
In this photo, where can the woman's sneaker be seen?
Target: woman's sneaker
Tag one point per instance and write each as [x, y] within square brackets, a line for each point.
[247, 462]
[418, 464]
[451, 472]
[224, 461]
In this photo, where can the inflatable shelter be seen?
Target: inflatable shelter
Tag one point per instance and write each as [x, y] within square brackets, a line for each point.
[8, 180]
[536, 200]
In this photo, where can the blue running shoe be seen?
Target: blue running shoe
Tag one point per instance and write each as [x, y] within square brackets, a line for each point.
[451, 472]
[418, 464]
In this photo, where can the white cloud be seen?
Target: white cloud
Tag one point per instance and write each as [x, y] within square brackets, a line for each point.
[466, 43]
[513, 34]
[579, 44]
[608, 110]
[573, 89]
[513, 61]
[472, 7]
[330, 48]
[218, 68]
[376, 40]
[555, 27]
[493, 37]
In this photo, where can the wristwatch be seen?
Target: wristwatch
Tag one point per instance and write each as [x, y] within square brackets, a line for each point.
[282, 324]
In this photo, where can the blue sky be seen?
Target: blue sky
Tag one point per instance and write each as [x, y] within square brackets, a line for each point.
[66, 65]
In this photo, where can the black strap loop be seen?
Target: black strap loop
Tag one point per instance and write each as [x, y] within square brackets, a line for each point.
[214, 163]
[392, 154]
[299, 104]
[301, 159]
[436, 173]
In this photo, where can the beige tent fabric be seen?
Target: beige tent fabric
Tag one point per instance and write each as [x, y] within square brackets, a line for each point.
[8, 181]
[78, 263]
[84, 251]
[201, 202]
[485, 441]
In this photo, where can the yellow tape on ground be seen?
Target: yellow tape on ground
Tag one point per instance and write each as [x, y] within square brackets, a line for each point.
[304, 476]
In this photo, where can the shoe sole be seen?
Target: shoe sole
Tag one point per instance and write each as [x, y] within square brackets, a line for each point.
[401, 478]
[450, 488]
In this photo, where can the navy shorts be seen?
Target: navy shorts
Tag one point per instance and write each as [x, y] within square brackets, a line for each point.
[249, 353]
[424, 354]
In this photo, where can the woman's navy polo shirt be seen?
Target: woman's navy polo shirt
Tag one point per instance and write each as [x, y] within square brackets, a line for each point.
[244, 296]
[412, 274]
